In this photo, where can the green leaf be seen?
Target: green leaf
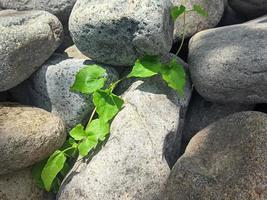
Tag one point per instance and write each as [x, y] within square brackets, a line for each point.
[88, 144]
[146, 67]
[200, 10]
[53, 166]
[107, 104]
[174, 74]
[36, 173]
[78, 132]
[176, 11]
[89, 79]
[99, 128]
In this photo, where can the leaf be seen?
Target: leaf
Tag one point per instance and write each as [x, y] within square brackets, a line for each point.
[36, 173]
[99, 128]
[107, 104]
[53, 166]
[70, 143]
[176, 11]
[146, 67]
[175, 76]
[200, 10]
[88, 144]
[78, 132]
[89, 79]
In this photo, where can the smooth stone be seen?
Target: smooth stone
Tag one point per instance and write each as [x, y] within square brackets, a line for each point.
[28, 39]
[49, 88]
[195, 22]
[117, 32]
[249, 8]
[27, 136]
[201, 113]
[228, 64]
[133, 163]
[226, 160]
[21, 186]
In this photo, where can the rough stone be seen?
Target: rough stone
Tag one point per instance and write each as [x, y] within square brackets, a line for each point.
[27, 38]
[116, 32]
[27, 135]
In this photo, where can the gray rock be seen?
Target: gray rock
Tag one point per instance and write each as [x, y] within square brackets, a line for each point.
[249, 8]
[228, 64]
[49, 88]
[118, 31]
[226, 160]
[201, 113]
[230, 17]
[195, 22]
[74, 52]
[59, 8]
[27, 136]
[27, 38]
[21, 186]
[133, 162]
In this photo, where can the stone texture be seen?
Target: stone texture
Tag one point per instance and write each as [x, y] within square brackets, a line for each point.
[201, 113]
[226, 160]
[228, 64]
[27, 38]
[230, 17]
[74, 52]
[118, 31]
[20, 186]
[59, 8]
[27, 135]
[49, 88]
[249, 8]
[195, 22]
[133, 162]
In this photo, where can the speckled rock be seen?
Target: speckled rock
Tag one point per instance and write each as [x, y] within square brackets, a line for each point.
[201, 113]
[133, 162]
[20, 186]
[228, 64]
[49, 88]
[27, 135]
[27, 38]
[226, 160]
[195, 22]
[249, 8]
[118, 31]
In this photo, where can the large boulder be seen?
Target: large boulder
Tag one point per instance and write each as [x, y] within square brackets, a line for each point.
[21, 186]
[27, 136]
[27, 38]
[228, 64]
[49, 88]
[195, 22]
[226, 160]
[201, 113]
[117, 32]
[249, 8]
[133, 162]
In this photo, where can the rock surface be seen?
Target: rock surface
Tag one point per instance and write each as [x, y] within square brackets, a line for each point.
[118, 31]
[27, 135]
[21, 186]
[49, 88]
[226, 160]
[249, 8]
[195, 22]
[231, 17]
[133, 162]
[228, 64]
[201, 113]
[27, 38]
[74, 52]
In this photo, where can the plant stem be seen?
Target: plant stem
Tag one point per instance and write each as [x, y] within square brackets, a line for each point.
[91, 118]
[183, 35]
[68, 149]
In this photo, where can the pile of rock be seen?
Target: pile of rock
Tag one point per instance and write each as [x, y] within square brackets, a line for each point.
[226, 157]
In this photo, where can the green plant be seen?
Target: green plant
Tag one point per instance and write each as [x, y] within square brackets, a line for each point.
[92, 80]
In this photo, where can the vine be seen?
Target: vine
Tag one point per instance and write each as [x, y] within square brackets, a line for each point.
[92, 80]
